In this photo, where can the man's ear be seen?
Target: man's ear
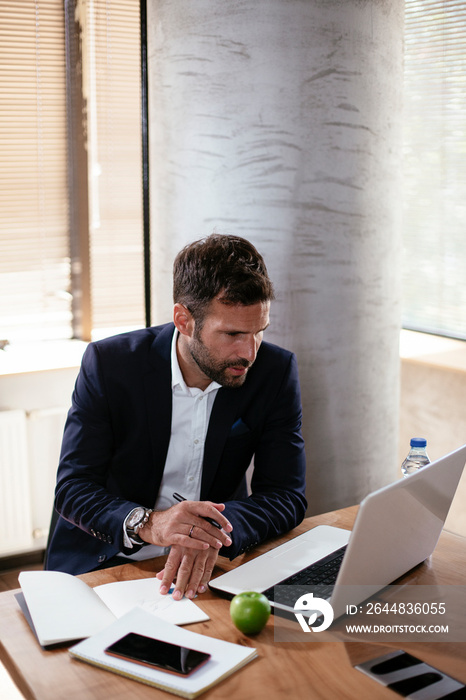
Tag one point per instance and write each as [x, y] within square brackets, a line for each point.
[183, 320]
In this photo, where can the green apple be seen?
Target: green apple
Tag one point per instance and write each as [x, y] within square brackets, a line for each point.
[249, 611]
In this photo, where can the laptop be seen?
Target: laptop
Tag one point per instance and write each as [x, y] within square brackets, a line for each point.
[397, 527]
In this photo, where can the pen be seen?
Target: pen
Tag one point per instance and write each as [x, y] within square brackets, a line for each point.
[213, 522]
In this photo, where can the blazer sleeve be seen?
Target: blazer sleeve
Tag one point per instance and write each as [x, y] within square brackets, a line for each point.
[277, 502]
[82, 495]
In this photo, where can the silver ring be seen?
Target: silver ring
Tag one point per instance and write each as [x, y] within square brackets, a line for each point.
[191, 531]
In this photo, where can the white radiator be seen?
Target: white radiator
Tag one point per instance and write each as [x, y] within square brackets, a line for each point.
[29, 452]
[45, 432]
[15, 495]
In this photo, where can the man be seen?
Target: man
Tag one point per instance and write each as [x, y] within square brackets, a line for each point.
[183, 408]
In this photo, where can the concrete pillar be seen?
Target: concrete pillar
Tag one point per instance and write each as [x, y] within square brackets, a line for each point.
[279, 120]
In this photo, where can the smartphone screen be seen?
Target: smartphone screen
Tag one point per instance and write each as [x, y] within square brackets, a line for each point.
[157, 654]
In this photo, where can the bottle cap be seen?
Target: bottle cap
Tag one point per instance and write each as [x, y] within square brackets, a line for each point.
[418, 442]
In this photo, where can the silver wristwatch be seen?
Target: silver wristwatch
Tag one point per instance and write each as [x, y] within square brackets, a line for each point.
[134, 521]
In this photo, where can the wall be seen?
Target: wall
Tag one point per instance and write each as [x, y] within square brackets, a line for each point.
[279, 120]
[37, 379]
[433, 391]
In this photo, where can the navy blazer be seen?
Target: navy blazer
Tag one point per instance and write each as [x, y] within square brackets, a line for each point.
[116, 440]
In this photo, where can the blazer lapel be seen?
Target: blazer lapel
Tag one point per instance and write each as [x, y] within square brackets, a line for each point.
[224, 411]
[158, 397]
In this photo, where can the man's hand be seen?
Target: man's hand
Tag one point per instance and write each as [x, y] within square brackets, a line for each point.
[184, 525]
[192, 570]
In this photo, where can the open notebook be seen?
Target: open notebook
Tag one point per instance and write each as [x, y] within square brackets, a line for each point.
[63, 608]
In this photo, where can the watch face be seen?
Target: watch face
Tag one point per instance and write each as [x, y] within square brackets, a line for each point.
[136, 517]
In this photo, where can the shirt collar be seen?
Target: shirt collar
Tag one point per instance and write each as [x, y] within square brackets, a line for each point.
[177, 376]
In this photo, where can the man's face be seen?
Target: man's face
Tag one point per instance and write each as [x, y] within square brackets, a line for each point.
[227, 344]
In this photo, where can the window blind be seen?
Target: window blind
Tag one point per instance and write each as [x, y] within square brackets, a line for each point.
[113, 93]
[35, 295]
[434, 238]
[34, 250]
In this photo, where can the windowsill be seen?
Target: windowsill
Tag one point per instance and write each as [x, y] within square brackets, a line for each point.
[47, 355]
[437, 351]
[42, 356]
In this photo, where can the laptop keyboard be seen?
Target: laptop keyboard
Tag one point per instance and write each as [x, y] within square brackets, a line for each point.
[322, 573]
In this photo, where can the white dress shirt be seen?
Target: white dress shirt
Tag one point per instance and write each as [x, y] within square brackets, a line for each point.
[191, 411]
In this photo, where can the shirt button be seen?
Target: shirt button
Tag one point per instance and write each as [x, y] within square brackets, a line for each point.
[196, 442]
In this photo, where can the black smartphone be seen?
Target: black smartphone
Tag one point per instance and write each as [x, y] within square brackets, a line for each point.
[157, 654]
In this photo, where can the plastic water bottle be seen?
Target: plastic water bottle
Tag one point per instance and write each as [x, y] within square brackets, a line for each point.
[416, 458]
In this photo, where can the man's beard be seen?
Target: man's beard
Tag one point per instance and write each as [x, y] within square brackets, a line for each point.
[216, 370]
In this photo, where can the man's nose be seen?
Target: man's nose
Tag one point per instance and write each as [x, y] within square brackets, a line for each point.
[249, 348]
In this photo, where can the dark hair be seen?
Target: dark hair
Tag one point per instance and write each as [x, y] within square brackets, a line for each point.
[220, 266]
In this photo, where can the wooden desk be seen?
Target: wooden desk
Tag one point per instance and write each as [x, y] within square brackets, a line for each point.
[301, 671]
